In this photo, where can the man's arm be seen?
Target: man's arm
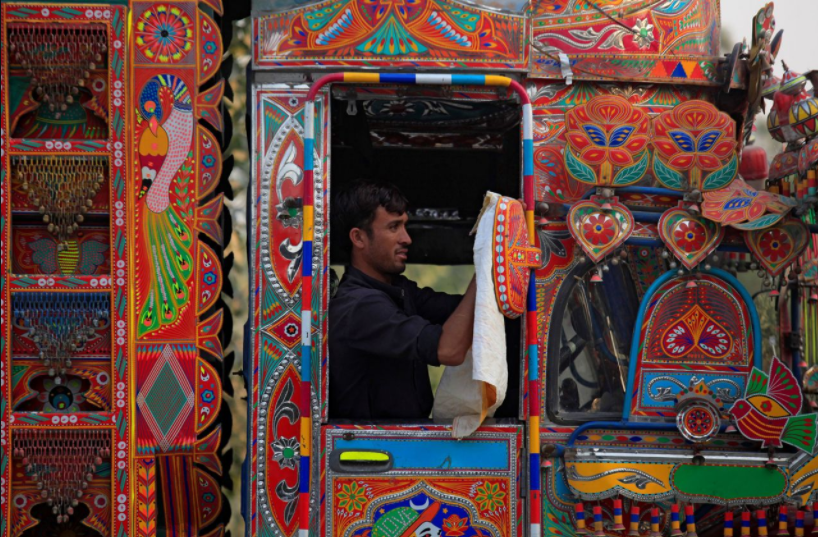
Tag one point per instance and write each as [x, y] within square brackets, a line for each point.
[456, 339]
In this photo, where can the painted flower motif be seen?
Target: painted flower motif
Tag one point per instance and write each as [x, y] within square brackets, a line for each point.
[455, 526]
[164, 33]
[352, 497]
[291, 329]
[210, 47]
[775, 245]
[739, 202]
[489, 497]
[607, 129]
[696, 135]
[690, 236]
[599, 229]
[643, 33]
[208, 161]
[286, 452]
[208, 396]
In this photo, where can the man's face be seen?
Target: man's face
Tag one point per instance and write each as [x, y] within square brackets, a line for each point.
[386, 248]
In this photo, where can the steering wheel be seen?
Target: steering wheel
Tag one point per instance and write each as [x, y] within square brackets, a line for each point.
[570, 350]
[568, 354]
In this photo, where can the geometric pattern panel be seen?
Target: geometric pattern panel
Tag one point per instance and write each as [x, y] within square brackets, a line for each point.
[164, 397]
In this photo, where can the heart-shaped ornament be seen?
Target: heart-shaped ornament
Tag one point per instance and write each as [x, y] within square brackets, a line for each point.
[691, 238]
[778, 246]
[600, 229]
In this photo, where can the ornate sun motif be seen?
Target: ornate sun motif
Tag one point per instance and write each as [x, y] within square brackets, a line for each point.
[164, 34]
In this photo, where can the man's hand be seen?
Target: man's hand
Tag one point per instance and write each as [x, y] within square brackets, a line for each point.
[458, 330]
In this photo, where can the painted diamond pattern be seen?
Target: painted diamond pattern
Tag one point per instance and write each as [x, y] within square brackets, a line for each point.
[288, 330]
[166, 399]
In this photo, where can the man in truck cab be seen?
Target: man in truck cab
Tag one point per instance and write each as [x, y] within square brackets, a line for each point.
[383, 329]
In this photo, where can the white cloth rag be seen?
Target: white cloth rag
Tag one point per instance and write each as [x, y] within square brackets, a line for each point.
[469, 392]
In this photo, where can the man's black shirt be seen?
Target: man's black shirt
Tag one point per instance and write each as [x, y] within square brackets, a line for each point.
[381, 338]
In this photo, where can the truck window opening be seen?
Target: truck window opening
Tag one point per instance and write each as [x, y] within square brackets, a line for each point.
[443, 155]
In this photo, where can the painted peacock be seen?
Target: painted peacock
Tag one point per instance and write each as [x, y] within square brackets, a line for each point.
[164, 147]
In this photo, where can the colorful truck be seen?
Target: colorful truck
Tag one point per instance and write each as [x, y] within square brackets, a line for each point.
[645, 395]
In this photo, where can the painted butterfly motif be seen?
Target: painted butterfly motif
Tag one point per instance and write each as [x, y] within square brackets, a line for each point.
[617, 138]
[687, 143]
[696, 330]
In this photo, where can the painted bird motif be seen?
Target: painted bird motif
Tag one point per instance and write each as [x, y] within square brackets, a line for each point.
[164, 146]
[768, 411]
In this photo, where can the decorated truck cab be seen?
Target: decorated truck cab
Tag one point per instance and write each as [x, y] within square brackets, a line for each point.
[647, 394]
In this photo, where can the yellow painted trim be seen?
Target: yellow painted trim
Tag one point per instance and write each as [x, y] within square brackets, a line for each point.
[306, 437]
[362, 78]
[364, 456]
[496, 80]
[534, 438]
[308, 222]
[529, 222]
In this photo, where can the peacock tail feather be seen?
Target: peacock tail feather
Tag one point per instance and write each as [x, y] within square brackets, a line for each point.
[171, 266]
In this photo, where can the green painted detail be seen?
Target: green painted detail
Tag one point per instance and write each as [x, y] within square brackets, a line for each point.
[608, 437]
[723, 176]
[30, 144]
[22, 12]
[632, 174]
[663, 440]
[667, 176]
[120, 364]
[17, 373]
[121, 423]
[578, 169]
[729, 482]
[67, 13]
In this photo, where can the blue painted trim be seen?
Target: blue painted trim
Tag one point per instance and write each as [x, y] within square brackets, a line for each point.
[534, 477]
[306, 259]
[306, 362]
[398, 78]
[468, 80]
[309, 147]
[531, 298]
[533, 363]
[639, 241]
[630, 425]
[304, 470]
[528, 157]
[626, 408]
[419, 453]
[640, 190]
[643, 216]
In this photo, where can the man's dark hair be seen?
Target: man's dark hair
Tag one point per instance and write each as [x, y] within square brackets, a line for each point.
[354, 205]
